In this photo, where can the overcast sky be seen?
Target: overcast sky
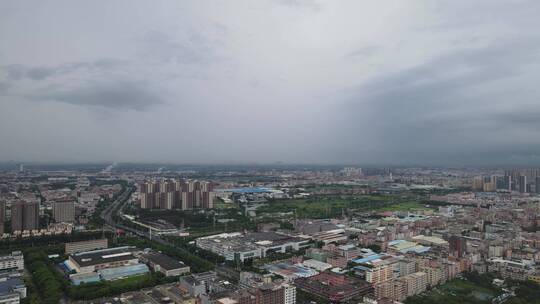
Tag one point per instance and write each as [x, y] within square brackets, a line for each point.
[298, 81]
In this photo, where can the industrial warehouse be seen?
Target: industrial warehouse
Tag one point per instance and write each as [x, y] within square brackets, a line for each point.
[334, 288]
[242, 246]
[164, 264]
[118, 263]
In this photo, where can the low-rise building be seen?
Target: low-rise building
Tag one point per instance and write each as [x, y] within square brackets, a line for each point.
[92, 261]
[337, 260]
[13, 261]
[75, 247]
[239, 246]
[317, 265]
[289, 271]
[10, 298]
[510, 269]
[406, 267]
[316, 254]
[435, 275]
[334, 287]
[331, 236]
[535, 278]
[379, 273]
[415, 283]
[394, 289]
[12, 288]
[165, 264]
[198, 284]
[269, 293]
[88, 277]
[168, 293]
[349, 251]
[122, 272]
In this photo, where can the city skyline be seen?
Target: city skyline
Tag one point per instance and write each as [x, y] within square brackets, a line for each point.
[270, 152]
[127, 233]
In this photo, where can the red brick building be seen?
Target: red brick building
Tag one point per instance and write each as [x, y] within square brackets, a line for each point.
[335, 288]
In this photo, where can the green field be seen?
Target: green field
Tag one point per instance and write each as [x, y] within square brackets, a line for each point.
[405, 206]
[218, 204]
[458, 291]
[478, 289]
[201, 222]
[325, 207]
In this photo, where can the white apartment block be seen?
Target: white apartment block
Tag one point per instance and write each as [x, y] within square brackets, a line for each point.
[289, 292]
[379, 274]
[416, 283]
[13, 261]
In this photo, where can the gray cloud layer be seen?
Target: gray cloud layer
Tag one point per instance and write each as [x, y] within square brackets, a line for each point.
[423, 82]
[114, 95]
[470, 106]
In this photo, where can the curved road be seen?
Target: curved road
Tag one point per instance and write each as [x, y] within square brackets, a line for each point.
[118, 204]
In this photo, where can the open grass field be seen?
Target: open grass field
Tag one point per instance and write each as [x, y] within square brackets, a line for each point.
[405, 206]
[324, 207]
[457, 291]
[218, 204]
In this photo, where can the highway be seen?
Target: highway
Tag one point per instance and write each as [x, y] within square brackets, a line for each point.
[106, 214]
[118, 204]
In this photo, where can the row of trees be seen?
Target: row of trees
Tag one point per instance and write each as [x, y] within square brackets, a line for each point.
[205, 254]
[49, 283]
[192, 258]
[527, 292]
[111, 288]
[49, 243]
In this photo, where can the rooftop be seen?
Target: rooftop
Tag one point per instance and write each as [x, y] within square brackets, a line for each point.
[333, 284]
[431, 239]
[9, 284]
[101, 256]
[367, 259]
[164, 261]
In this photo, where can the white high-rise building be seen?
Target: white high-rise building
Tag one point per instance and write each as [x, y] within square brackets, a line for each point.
[13, 261]
[289, 294]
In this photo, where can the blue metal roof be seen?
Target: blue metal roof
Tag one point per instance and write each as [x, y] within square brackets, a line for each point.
[396, 242]
[8, 285]
[367, 259]
[91, 277]
[123, 271]
[417, 249]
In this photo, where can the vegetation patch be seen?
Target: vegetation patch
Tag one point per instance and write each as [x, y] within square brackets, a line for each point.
[332, 206]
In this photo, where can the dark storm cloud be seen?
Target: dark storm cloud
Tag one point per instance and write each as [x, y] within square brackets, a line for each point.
[49, 84]
[16, 72]
[528, 118]
[118, 95]
[451, 105]
[432, 81]
[458, 70]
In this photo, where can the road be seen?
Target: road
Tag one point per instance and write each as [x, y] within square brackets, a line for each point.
[118, 204]
[106, 214]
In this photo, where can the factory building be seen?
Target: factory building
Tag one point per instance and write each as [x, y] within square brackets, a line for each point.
[92, 261]
[165, 264]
